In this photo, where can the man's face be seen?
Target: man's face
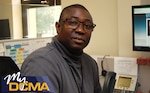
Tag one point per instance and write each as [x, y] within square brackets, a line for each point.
[73, 31]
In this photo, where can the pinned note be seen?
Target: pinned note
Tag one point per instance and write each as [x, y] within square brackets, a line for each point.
[126, 66]
[2, 50]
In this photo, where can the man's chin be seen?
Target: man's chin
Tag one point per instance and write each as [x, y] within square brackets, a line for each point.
[78, 47]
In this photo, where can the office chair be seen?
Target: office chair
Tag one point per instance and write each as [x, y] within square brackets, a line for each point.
[109, 82]
[7, 66]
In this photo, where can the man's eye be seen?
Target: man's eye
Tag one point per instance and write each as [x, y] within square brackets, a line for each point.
[88, 26]
[72, 22]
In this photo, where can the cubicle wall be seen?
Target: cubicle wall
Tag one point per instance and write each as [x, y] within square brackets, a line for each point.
[18, 50]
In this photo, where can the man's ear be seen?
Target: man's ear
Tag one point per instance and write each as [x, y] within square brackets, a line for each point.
[57, 25]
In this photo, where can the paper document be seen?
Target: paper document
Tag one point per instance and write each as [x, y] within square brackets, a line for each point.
[2, 50]
[125, 65]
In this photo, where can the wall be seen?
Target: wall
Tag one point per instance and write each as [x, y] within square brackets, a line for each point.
[125, 27]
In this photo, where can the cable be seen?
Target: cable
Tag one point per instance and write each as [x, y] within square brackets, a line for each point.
[103, 70]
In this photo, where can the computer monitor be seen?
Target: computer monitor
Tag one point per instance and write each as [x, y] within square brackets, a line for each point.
[4, 29]
[7, 66]
[141, 28]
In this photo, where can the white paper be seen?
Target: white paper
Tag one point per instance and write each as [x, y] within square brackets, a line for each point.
[1, 47]
[125, 65]
[2, 50]
[38, 43]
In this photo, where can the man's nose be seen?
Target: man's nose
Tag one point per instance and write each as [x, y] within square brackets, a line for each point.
[80, 28]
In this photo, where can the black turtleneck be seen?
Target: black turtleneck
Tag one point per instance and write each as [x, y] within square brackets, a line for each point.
[74, 62]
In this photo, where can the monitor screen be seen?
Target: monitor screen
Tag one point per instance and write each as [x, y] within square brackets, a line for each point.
[141, 27]
[124, 82]
[4, 29]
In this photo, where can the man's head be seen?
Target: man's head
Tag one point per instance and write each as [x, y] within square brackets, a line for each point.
[75, 27]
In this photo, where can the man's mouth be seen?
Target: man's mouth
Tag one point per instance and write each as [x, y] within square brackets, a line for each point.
[78, 40]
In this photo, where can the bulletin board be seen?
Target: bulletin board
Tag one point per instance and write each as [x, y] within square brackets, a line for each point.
[18, 50]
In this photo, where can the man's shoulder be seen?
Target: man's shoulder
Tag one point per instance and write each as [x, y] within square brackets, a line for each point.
[40, 57]
[47, 52]
[44, 50]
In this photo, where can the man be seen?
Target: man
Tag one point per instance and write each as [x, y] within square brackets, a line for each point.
[63, 61]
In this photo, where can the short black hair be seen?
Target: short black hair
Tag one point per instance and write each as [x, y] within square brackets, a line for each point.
[72, 6]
